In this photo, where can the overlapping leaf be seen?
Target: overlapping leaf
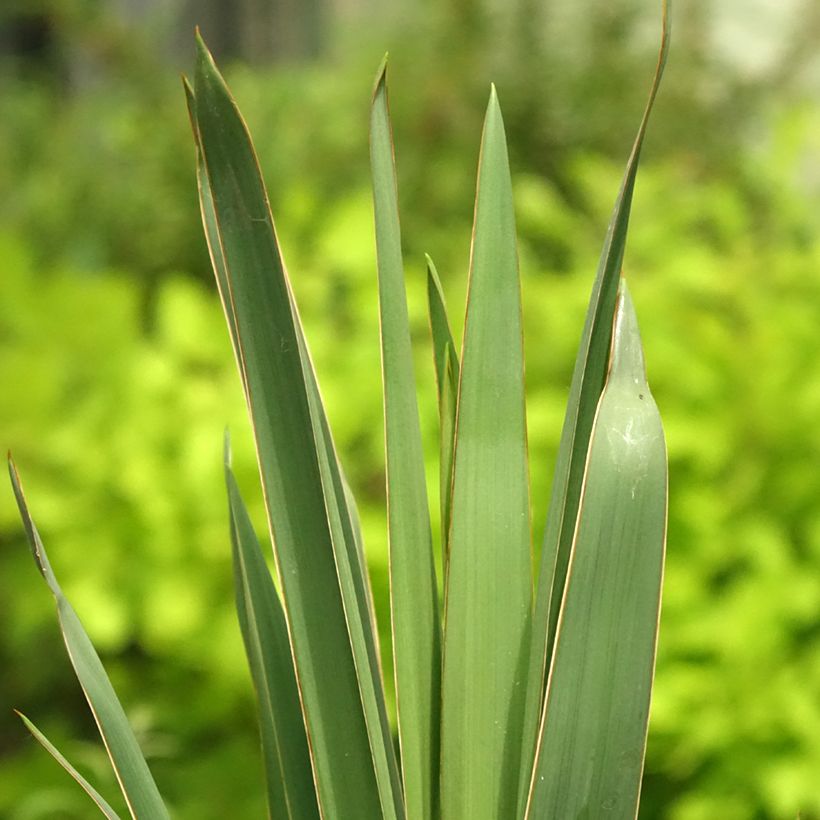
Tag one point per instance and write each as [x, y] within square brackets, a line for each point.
[593, 734]
[413, 593]
[585, 390]
[317, 558]
[291, 794]
[447, 367]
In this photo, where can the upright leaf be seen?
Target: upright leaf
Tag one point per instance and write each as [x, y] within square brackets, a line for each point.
[447, 370]
[489, 588]
[413, 594]
[593, 737]
[288, 774]
[135, 779]
[585, 390]
[223, 286]
[98, 799]
[349, 785]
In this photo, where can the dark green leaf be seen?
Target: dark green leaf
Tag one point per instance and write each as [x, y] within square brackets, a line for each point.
[291, 794]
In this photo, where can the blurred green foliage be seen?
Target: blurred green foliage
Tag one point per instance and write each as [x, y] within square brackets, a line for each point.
[118, 380]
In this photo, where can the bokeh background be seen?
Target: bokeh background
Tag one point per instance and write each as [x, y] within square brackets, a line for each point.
[117, 377]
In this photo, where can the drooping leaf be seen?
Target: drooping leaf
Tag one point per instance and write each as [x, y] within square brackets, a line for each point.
[447, 373]
[593, 735]
[413, 594]
[135, 779]
[291, 793]
[585, 390]
[489, 586]
[102, 805]
[314, 569]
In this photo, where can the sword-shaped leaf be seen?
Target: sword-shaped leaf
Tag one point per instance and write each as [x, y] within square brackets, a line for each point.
[291, 793]
[135, 779]
[585, 391]
[413, 594]
[102, 805]
[326, 628]
[447, 371]
[489, 587]
[592, 741]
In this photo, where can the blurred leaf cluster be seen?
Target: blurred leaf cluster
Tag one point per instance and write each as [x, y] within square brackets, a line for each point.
[118, 379]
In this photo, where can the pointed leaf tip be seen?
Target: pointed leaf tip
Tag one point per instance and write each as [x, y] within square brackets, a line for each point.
[380, 82]
[626, 358]
[226, 448]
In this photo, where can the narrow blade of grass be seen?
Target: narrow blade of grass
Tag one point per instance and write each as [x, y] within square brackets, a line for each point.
[585, 390]
[593, 737]
[314, 570]
[102, 805]
[413, 594]
[489, 588]
[135, 779]
[447, 372]
[288, 774]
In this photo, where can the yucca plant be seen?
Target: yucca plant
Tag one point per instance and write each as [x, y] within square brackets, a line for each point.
[514, 699]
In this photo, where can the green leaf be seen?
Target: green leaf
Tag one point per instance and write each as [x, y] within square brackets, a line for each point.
[132, 772]
[489, 588]
[585, 391]
[593, 737]
[447, 373]
[223, 286]
[413, 593]
[102, 805]
[319, 579]
[206, 206]
[291, 794]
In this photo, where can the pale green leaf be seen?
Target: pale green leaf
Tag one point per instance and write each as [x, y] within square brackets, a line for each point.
[489, 587]
[585, 390]
[593, 736]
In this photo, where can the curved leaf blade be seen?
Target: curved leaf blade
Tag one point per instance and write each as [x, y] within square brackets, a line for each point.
[489, 585]
[593, 735]
[135, 779]
[102, 805]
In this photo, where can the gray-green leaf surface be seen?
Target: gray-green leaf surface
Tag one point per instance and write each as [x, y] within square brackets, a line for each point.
[489, 584]
[585, 390]
[271, 359]
[592, 741]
